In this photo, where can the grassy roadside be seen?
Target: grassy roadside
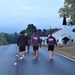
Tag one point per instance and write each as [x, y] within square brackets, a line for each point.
[67, 50]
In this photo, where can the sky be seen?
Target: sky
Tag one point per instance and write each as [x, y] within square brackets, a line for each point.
[15, 15]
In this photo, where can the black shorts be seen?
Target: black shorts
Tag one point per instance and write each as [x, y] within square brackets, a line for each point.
[22, 49]
[35, 48]
[50, 47]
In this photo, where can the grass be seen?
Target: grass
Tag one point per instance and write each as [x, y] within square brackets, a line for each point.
[67, 50]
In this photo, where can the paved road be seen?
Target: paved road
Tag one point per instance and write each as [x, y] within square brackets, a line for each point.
[29, 66]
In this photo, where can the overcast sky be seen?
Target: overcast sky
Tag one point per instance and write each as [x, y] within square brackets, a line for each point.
[15, 15]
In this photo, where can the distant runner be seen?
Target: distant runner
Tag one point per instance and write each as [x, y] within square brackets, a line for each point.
[35, 42]
[27, 42]
[21, 43]
[51, 41]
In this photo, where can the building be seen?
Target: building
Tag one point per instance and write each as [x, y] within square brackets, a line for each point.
[43, 40]
[63, 36]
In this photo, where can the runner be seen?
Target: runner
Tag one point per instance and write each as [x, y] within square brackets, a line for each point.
[21, 44]
[51, 41]
[27, 42]
[35, 42]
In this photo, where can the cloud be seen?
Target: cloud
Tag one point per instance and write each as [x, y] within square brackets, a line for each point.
[20, 8]
[24, 8]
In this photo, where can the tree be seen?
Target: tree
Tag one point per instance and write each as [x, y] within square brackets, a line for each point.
[39, 31]
[11, 38]
[44, 32]
[69, 11]
[14, 37]
[23, 31]
[30, 29]
[2, 38]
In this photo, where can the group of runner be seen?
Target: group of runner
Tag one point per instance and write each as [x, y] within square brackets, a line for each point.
[23, 43]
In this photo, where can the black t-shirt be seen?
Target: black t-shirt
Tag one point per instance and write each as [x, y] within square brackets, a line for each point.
[22, 40]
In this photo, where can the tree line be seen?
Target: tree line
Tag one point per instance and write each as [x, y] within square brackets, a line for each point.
[31, 28]
[6, 38]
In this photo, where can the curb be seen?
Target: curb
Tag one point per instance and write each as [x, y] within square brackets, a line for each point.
[64, 56]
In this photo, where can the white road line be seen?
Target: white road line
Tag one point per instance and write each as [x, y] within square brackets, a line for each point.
[65, 56]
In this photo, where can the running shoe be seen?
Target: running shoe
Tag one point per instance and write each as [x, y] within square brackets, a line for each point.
[21, 58]
[26, 51]
[34, 57]
[37, 57]
[51, 58]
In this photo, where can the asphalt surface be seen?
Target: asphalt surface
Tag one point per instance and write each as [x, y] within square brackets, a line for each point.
[43, 66]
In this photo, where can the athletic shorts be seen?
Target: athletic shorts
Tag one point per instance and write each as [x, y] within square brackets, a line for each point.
[50, 47]
[27, 45]
[22, 49]
[35, 48]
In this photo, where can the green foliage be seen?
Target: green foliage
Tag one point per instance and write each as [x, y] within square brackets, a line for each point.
[23, 31]
[30, 29]
[69, 11]
[8, 38]
[39, 31]
[2, 39]
[12, 38]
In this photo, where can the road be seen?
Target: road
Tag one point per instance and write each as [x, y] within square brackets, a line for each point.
[43, 66]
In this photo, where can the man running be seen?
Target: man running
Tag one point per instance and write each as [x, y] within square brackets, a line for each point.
[27, 42]
[21, 43]
[35, 42]
[51, 41]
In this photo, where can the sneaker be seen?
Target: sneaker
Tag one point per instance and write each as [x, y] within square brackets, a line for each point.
[37, 57]
[51, 58]
[34, 57]
[26, 50]
[21, 58]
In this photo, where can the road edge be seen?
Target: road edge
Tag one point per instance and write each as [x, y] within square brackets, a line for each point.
[65, 56]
